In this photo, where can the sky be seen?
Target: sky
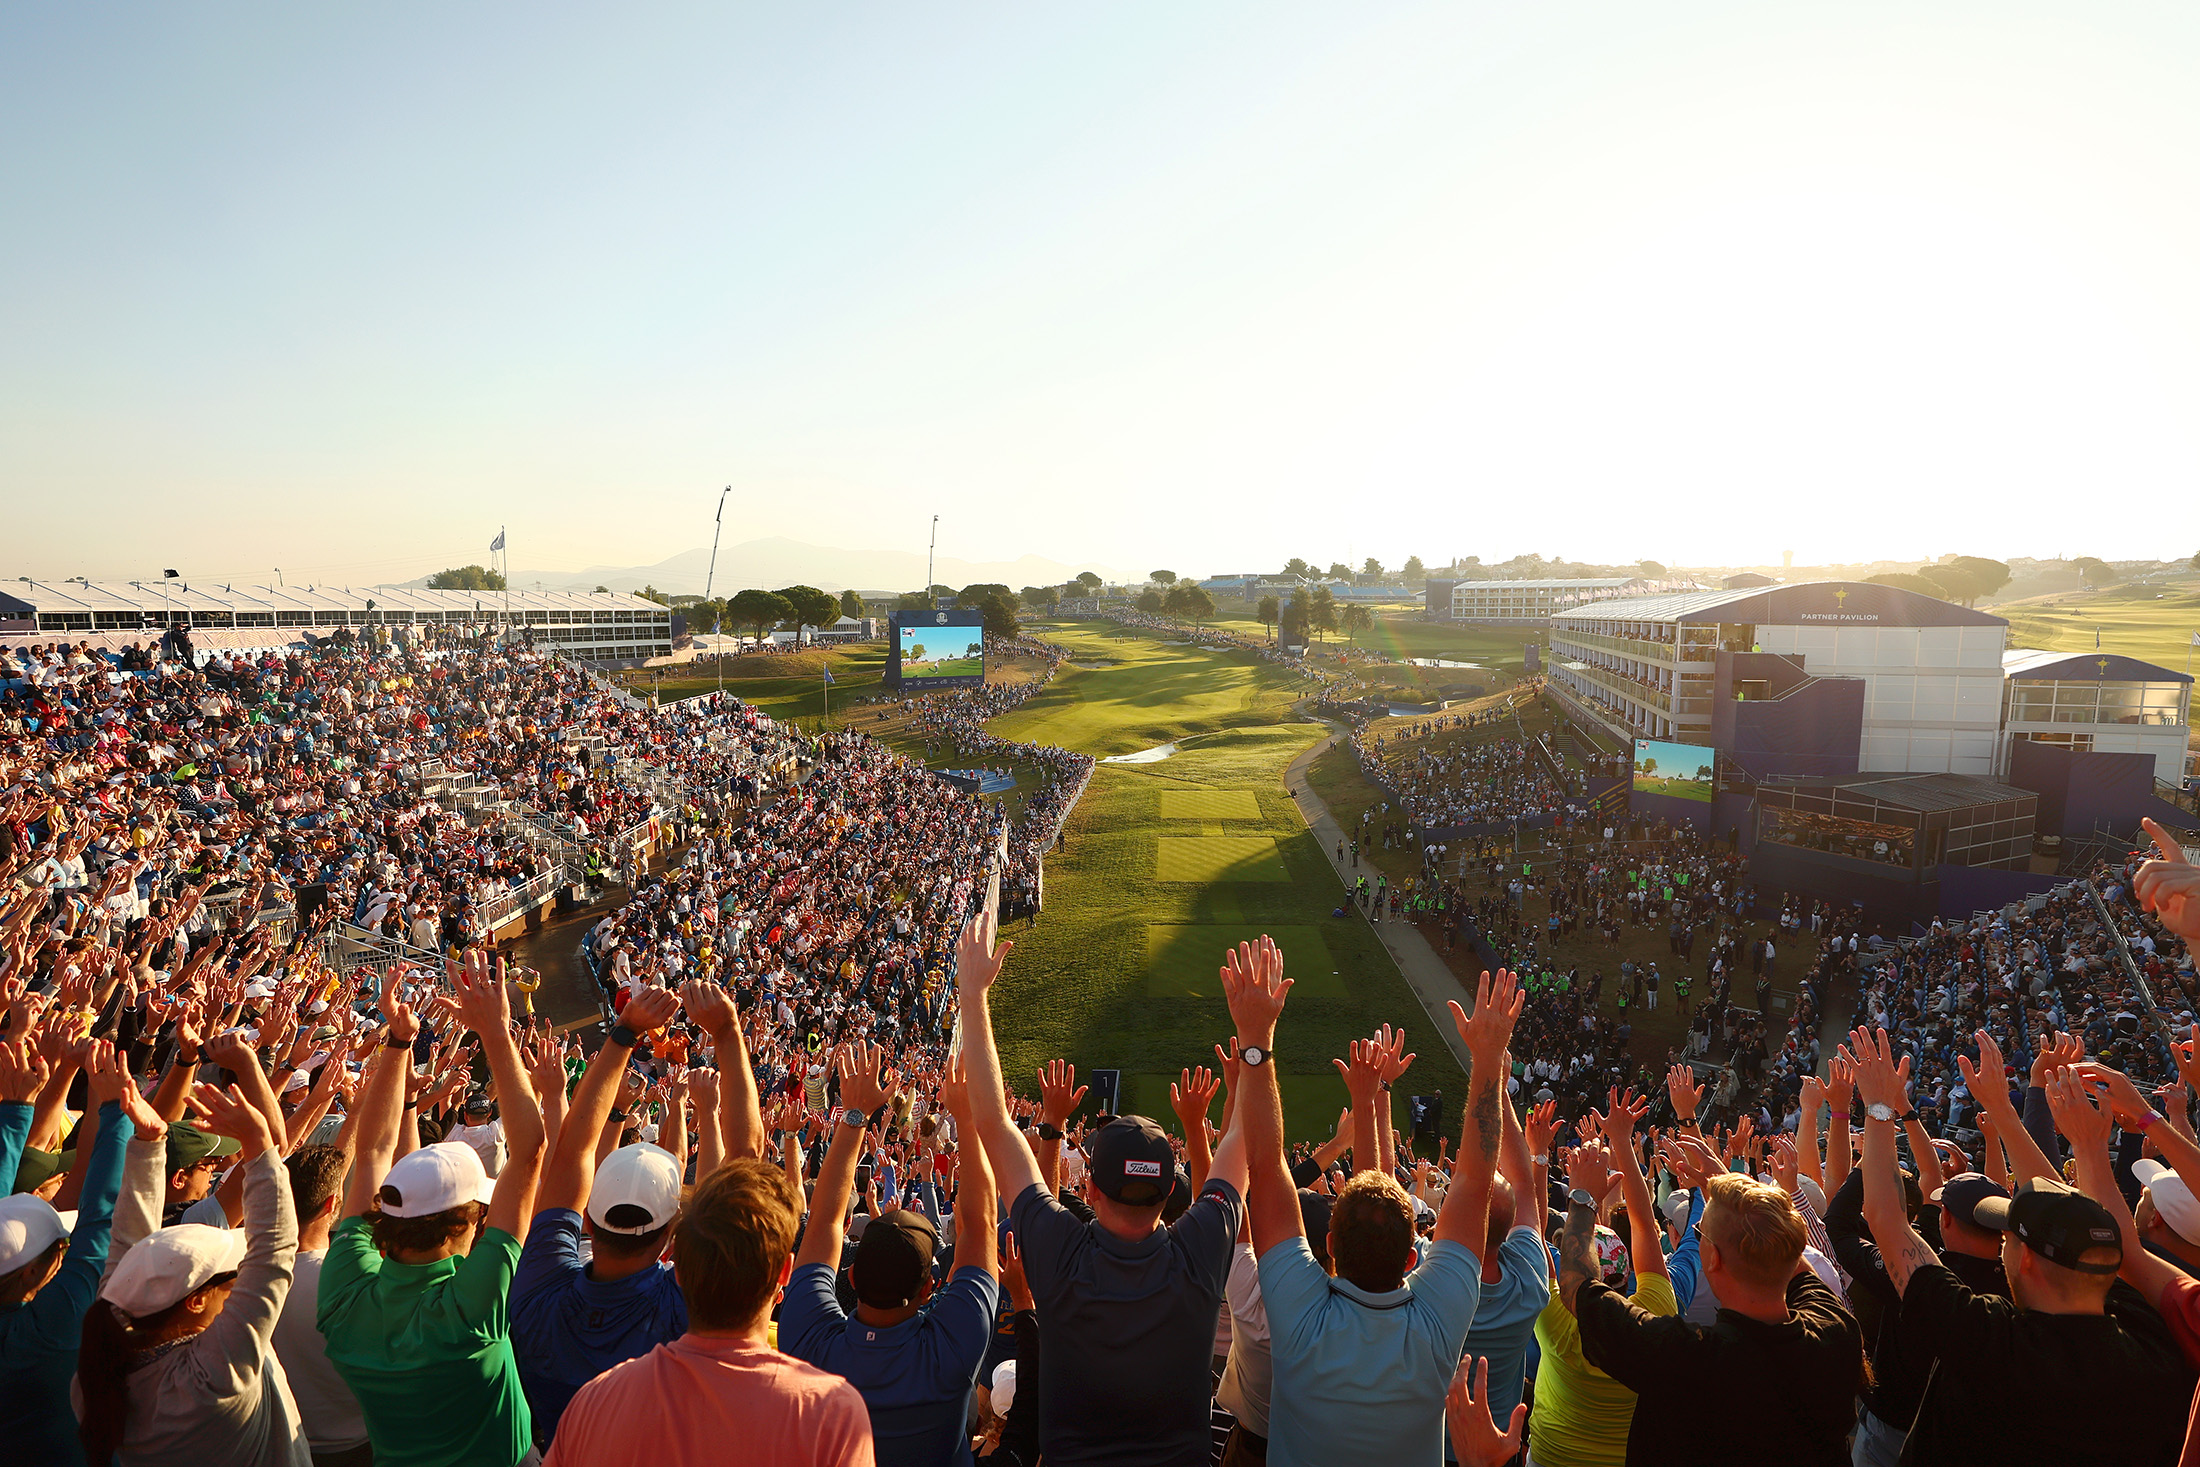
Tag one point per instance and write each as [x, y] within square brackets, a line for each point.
[1204, 286]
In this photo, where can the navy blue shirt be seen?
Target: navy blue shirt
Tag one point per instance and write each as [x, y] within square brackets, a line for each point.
[915, 1376]
[568, 1328]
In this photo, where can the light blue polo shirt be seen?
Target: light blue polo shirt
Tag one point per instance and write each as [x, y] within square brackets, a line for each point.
[1361, 1377]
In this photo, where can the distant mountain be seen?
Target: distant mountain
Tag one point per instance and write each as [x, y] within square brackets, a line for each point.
[778, 561]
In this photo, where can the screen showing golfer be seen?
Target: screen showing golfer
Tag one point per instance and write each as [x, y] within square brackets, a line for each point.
[942, 651]
[1682, 771]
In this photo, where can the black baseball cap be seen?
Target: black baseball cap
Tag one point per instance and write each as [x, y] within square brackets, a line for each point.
[2055, 1222]
[1131, 1161]
[894, 1258]
[1961, 1195]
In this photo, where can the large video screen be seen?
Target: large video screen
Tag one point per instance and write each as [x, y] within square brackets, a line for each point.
[939, 647]
[1680, 771]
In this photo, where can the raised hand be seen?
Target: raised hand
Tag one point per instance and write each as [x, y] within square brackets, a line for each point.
[1619, 1121]
[2169, 885]
[106, 1074]
[1814, 1094]
[404, 1024]
[1487, 1032]
[1989, 1078]
[650, 1009]
[1879, 1079]
[1254, 985]
[1782, 1161]
[1059, 1092]
[866, 1083]
[1363, 1077]
[1683, 1091]
[2075, 1115]
[978, 958]
[23, 1071]
[2124, 1100]
[1840, 1085]
[2056, 1053]
[479, 984]
[1232, 1066]
[225, 1112]
[955, 1092]
[1474, 1433]
[1191, 1095]
[1590, 1169]
[709, 1005]
[2187, 1054]
[1541, 1126]
[1395, 1059]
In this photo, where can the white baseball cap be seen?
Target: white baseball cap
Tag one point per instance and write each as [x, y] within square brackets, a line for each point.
[1004, 1387]
[171, 1264]
[28, 1227]
[435, 1179]
[637, 1190]
[2172, 1197]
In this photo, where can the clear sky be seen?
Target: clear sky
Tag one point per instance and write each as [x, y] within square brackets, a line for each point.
[1203, 286]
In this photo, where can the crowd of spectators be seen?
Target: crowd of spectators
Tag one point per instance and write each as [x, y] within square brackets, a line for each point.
[1489, 781]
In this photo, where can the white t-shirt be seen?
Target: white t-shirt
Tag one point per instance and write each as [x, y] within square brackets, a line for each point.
[487, 1141]
[1073, 1167]
[1251, 1372]
[326, 1407]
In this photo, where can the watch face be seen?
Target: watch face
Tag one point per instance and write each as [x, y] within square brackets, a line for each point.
[1253, 1054]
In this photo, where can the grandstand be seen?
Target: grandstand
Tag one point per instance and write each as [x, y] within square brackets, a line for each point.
[597, 627]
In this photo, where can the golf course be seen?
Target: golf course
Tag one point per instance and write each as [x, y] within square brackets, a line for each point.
[1166, 863]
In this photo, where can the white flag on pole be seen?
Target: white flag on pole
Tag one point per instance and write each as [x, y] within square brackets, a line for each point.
[497, 544]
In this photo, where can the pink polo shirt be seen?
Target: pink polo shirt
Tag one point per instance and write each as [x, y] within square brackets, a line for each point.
[695, 1400]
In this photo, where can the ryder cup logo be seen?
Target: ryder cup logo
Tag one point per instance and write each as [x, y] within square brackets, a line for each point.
[940, 617]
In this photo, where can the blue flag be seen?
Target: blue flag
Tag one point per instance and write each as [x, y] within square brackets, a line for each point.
[828, 677]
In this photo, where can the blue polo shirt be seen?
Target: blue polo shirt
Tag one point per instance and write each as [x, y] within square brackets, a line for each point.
[568, 1328]
[1504, 1320]
[1361, 1377]
[916, 1376]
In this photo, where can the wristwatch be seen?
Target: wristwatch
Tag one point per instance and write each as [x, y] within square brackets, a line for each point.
[624, 1037]
[1879, 1111]
[1049, 1133]
[1580, 1198]
[850, 1116]
[1253, 1055]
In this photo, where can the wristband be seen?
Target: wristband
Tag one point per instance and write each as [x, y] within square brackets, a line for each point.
[625, 1037]
[391, 1041]
[2146, 1121]
[1049, 1133]
[617, 1115]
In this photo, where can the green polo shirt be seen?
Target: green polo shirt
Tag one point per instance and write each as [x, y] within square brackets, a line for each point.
[427, 1349]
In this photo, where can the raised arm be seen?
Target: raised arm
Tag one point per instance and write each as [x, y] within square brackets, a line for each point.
[977, 1200]
[1840, 1155]
[1059, 1097]
[484, 999]
[1363, 1080]
[741, 1115]
[977, 963]
[571, 1172]
[2087, 1128]
[1589, 1182]
[866, 1085]
[1395, 1063]
[381, 1102]
[1806, 1131]
[1487, 1033]
[1989, 1082]
[1191, 1096]
[1644, 1245]
[1254, 985]
[1882, 1082]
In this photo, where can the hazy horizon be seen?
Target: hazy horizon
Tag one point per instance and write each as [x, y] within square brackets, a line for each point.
[345, 293]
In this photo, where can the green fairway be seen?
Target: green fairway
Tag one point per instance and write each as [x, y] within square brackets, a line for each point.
[1218, 858]
[916, 672]
[2150, 622]
[1082, 983]
[1209, 805]
[1185, 961]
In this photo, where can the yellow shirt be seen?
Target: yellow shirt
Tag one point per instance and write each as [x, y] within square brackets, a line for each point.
[1582, 1414]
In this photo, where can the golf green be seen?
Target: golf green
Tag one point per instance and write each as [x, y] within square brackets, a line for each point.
[1184, 960]
[1209, 805]
[1205, 858]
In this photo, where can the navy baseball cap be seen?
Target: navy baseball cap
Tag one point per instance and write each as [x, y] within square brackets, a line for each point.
[2057, 1223]
[1963, 1193]
[1131, 1161]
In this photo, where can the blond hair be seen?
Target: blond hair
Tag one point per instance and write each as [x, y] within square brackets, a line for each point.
[1756, 1228]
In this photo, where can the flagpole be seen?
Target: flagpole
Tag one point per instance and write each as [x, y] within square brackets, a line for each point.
[507, 580]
